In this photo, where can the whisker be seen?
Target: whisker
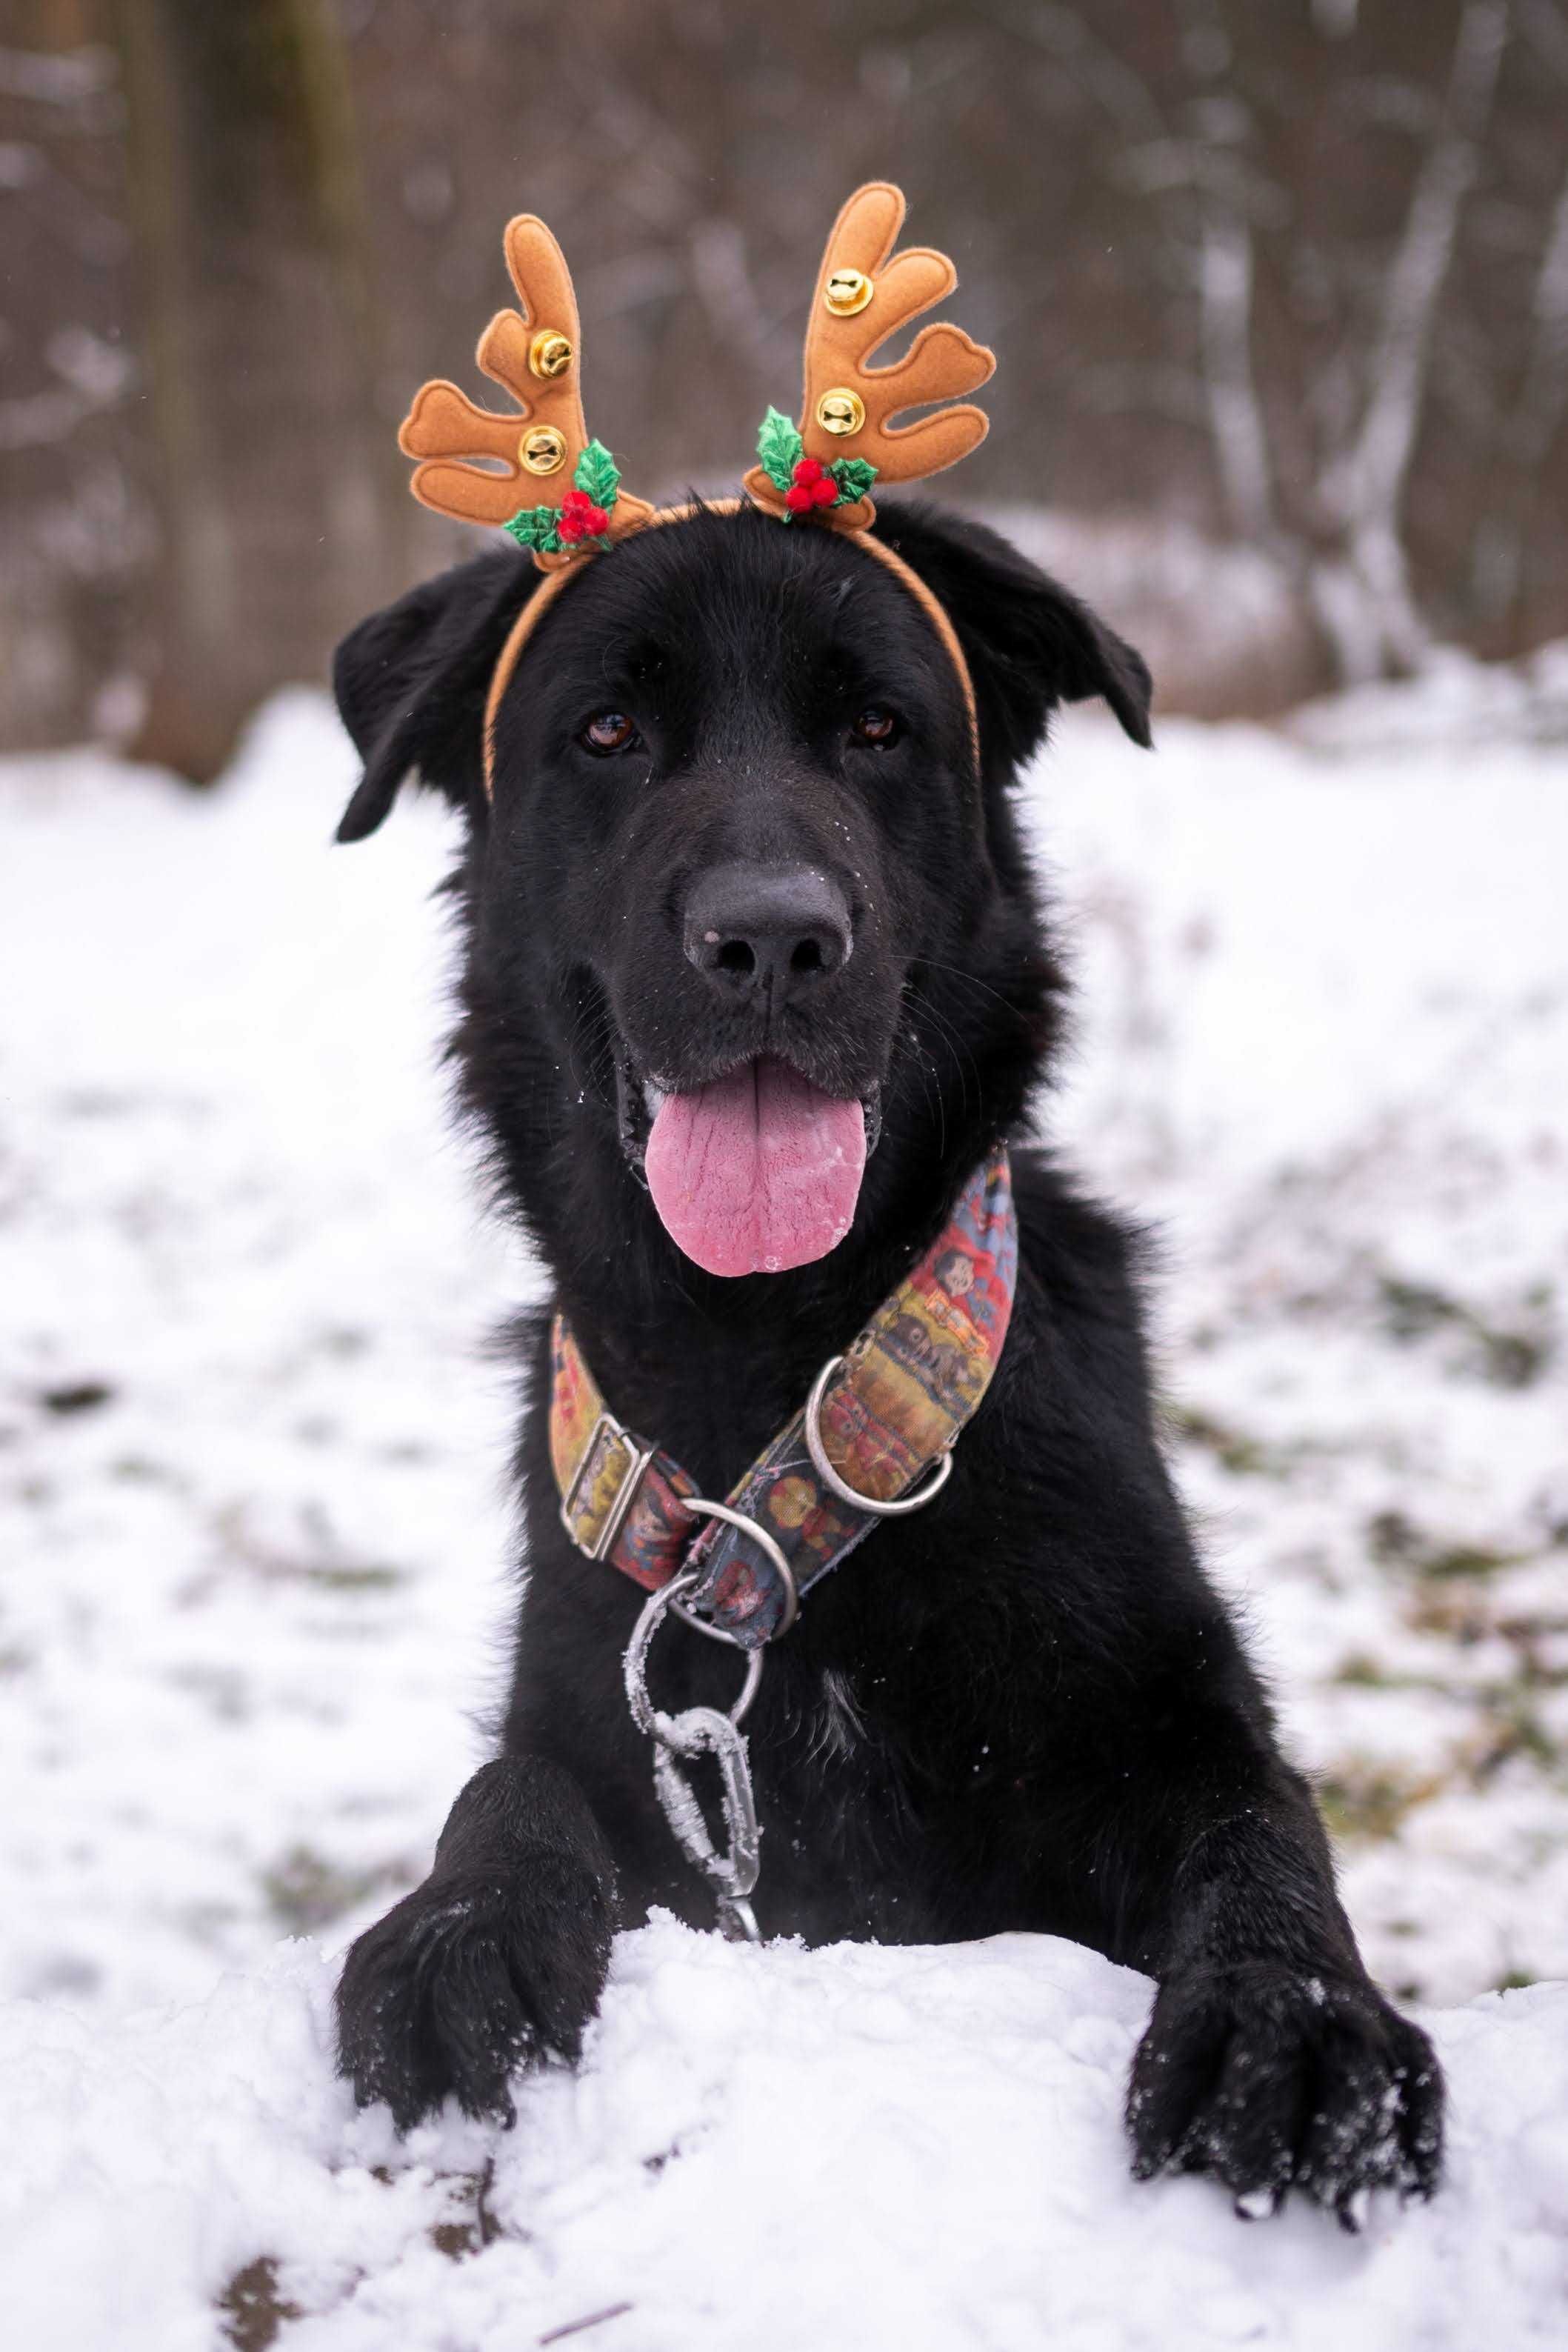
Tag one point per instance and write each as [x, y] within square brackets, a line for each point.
[972, 980]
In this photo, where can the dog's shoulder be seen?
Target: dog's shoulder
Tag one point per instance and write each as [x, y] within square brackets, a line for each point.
[1079, 1352]
[1088, 1260]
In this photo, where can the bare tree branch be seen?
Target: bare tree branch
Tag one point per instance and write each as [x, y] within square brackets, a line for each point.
[1366, 486]
[1240, 436]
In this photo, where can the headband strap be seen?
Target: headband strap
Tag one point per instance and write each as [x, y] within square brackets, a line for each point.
[551, 585]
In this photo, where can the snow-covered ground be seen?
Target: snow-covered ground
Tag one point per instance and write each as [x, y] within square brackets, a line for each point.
[254, 1532]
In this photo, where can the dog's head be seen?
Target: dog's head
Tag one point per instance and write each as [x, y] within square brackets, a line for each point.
[743, 903]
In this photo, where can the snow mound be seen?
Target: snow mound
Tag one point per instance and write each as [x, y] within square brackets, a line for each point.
[904, 2149]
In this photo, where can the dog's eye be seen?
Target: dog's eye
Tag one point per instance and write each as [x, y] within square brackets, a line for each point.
[608, 731]
[877, 727]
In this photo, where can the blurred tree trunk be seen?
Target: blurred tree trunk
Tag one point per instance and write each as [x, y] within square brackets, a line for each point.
[277, 490]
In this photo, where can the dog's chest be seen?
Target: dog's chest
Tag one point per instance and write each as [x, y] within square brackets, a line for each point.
[872, 1823]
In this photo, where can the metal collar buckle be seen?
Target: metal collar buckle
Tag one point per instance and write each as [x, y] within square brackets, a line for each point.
[605, 1436]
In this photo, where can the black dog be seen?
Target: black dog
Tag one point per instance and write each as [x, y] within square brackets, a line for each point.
[1023, 1708]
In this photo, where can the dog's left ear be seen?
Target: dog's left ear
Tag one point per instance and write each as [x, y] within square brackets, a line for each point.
[411, 683]
[1029, 644]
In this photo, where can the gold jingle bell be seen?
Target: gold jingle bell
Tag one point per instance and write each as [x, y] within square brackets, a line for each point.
[847, 291]
[841, 412]
[549, 354]
[543, 451]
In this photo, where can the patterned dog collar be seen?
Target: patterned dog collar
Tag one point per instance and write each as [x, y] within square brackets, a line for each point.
[873, 1440]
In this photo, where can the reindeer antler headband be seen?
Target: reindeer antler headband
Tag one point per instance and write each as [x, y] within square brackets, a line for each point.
[823, 469]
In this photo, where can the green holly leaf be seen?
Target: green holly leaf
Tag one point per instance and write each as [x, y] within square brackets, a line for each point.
[598, 475]
[780, 449]
[854, 476]
[535, 527]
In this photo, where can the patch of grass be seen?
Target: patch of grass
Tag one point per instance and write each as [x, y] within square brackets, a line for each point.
[1514, 1728]
[1364, 1802]
[253, 2310]
[1232, 1448]
[1412, 1309]
[1508, 1358]
[352, 1579]
[141, 1470]
[76, 1396]
[1468, 1559]
[1526, 1634]
[455, 2240]
[1453, 1611]
[318, 1563]
[1392, 1538]
[305, 1892]
[1395, 1541]
[1363, 1673]
[459, 2239]
[1515, 1360]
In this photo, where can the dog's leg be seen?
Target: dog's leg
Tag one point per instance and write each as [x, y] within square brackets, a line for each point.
[1271, 2059]
[499, 1956]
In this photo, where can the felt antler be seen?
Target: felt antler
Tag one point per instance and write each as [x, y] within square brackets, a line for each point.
[861, 298]
[560, 489]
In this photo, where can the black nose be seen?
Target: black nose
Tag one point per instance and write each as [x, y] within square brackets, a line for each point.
[779, 928]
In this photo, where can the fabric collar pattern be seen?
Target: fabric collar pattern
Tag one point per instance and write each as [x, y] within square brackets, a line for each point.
[907, 1386]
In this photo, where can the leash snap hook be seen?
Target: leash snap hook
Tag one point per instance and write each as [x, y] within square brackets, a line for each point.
[679, 1740]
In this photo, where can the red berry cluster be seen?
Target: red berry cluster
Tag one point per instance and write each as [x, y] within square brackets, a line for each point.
[580, 519]
[811, 485]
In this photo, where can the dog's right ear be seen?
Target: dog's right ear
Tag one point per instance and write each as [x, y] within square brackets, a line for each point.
[411, 683]
[1029, 643]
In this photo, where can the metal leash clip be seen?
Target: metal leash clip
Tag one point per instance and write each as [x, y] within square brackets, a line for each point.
[679, 1740]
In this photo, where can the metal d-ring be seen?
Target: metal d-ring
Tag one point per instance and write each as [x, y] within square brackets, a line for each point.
[941, 1469]
[769, 1547]
[645, 1714]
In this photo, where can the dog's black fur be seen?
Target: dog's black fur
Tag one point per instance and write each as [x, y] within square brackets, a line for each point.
[1024, 1708]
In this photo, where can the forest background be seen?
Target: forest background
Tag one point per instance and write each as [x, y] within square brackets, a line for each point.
[1281, 288]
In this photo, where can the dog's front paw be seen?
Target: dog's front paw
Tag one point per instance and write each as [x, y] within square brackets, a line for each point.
[1271, 2078]
[469, 1977]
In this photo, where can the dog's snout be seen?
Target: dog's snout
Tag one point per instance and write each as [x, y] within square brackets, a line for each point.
[774, 928]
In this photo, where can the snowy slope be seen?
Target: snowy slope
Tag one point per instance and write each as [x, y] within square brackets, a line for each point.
[910, 2151]
[1326, 1047]
[253, 1532]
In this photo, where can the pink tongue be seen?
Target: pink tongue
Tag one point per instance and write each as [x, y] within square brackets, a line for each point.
[757, 1171]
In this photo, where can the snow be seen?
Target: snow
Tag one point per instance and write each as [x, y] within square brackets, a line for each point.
[916, 2149]
[254, 1528]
